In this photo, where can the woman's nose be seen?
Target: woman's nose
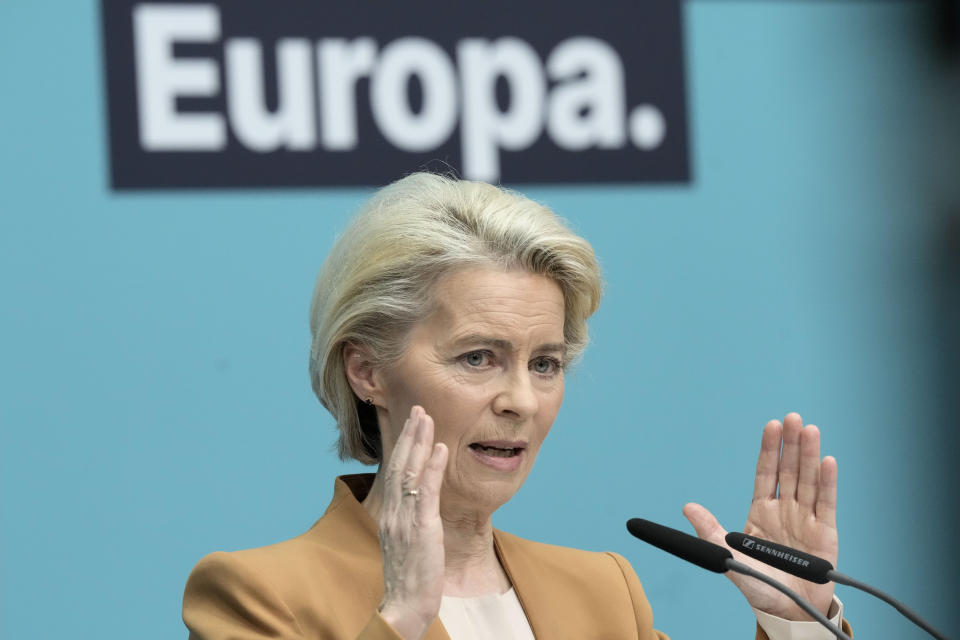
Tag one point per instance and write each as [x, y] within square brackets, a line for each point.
[517, 396]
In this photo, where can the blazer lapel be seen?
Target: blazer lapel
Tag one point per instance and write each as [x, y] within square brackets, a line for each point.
[534, 596]
[348, 515]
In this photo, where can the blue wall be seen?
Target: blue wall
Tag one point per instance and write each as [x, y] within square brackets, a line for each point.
[154, 400]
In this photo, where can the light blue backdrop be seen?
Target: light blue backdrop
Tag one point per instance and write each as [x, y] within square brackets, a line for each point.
[154, 399]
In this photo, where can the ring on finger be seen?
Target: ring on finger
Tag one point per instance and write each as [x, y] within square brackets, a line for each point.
[411, 492]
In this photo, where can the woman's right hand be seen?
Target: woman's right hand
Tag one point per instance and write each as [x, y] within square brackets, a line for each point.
[411, 532]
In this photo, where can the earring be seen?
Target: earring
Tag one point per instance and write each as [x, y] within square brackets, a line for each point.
[369, 402]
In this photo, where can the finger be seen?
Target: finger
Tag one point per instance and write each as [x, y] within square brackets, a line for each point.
[431, 481]
[419, 452]
[809, 477]
[709, 529]
[765, 484]
[706, 526]
[790, 457]
[401, 451]
[827, 494]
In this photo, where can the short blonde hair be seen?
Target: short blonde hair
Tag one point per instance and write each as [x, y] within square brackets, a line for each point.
[376, 283]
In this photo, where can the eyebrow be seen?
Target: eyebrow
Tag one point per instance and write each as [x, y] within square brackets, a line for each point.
[506, 345]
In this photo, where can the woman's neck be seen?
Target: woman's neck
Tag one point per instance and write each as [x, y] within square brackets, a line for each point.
[472, 566]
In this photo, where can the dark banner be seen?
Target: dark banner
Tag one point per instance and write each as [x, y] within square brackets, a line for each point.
[256, 93]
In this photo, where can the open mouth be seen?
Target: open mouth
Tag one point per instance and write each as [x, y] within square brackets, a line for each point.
[498, 452]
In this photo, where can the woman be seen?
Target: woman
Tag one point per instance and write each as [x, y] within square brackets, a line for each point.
[442, 323]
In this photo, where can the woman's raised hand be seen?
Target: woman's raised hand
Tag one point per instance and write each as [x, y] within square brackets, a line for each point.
[411, 532]
[802, 515]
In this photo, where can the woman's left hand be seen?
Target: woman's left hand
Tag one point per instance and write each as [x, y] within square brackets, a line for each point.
[803, 515]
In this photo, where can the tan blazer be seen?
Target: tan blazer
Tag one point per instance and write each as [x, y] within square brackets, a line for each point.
[328, 582]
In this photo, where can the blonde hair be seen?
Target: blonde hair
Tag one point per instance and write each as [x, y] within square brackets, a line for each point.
[377, 281]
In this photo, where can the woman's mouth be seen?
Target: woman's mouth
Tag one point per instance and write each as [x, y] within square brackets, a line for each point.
[496, 451]
[501, 455]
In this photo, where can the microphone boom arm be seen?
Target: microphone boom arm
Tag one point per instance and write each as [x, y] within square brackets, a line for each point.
[907, 612]
[739, 567]
[713, 557]
[810, 567]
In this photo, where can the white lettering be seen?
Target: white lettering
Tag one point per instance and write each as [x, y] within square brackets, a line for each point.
[161, 78]
[648, 128]
[340, 64]
[399, 62]
[587, 108]
[293, 124]
[583, 107]
[485, 129]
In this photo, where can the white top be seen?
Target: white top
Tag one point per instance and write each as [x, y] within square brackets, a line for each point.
[493, 617]
[500, 617]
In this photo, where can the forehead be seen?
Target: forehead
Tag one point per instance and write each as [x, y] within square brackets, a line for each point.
[489, 298]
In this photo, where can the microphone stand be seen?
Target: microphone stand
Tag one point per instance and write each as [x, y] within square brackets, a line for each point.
[909, 613]
[739, 567]
[816, 570]
[713, 557]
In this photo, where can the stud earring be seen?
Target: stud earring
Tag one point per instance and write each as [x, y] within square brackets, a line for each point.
[369, 402]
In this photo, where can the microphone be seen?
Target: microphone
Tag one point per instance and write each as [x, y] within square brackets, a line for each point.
[816, 569]
[704, 554]
[715, 558]
[797, 563]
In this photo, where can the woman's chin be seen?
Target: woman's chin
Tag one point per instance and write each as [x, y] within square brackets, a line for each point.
[483, 490]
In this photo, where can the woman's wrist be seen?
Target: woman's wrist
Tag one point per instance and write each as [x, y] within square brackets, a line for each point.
[404, 621]
[796, 614]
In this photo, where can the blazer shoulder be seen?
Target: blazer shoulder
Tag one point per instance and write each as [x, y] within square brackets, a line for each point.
[269, 560]
[311, 585]
[285, 568]
[224, 593]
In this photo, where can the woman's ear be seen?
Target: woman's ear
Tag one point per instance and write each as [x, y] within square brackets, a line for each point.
[360, 373]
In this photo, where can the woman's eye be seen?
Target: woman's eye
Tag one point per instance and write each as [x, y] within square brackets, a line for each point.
[546, 366]
[475, 358]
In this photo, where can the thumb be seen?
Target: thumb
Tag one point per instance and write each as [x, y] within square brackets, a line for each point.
[704, 523]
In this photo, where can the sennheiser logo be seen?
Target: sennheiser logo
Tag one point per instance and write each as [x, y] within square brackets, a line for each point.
[776, 553]
[212, 93]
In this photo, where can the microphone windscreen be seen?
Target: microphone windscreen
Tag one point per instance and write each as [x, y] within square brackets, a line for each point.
[797, 563]
[683, 545]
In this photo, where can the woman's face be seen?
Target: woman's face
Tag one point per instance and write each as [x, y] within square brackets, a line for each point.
[487, 366]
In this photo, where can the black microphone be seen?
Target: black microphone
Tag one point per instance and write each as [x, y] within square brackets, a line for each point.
[715, 558]
[816, 569]
[704, 554]
[797, 563]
